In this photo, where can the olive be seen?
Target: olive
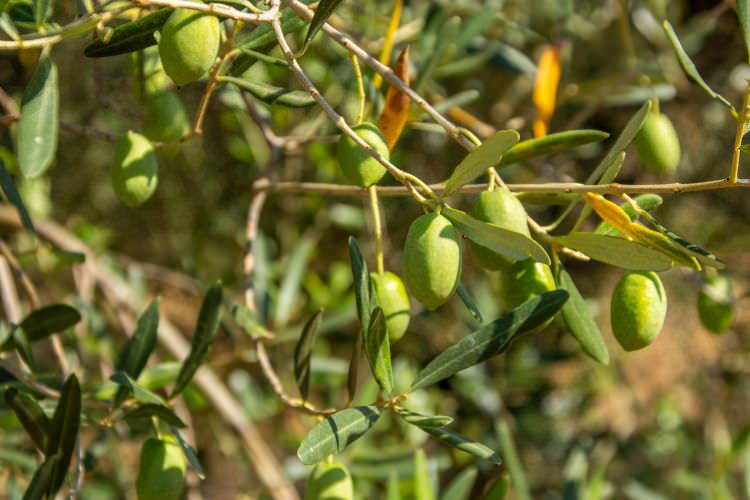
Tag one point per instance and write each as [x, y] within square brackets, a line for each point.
[501, 208]
[393, 300]
[330, 481]
[357, 166]
[432, 256]
[189, 44]
[638, 309]
[715, 304]
[161, 470]
[166, 119]
[657, 144]
[134, 170]
[523, 280]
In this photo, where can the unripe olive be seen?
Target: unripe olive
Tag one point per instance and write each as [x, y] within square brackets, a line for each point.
[393, 300]
[166, 119]
[189, 45]
[639, 306]
[155, 79]
[523, 280]
[658, 144]
[357, 166]
[330, 481]
[161, 471]
[432, 256]
[134, 170]
[501, 208]
[715, 304]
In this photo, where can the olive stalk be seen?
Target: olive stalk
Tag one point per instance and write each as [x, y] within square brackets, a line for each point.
[742, 118]
[375, 209]
[360, 89]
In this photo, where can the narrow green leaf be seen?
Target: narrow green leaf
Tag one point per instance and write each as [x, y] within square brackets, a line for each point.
[551, 143]
[461, 485]
[30, 414]
[273, 61]
[352, 376]
[616, 251]
[21, 344]
[362, 285]
[64, 431]
[41, 482]
[134, 355]
[443, 41]
[303, 351]
[139, 392]
[271, 94]
[189, 452]
[48, 320]
[322, 13]
[8, 26]
[581, 324]
[499, 489]
[392, 488]
[14, 197]
[488, 154]
[209, 319]
[42, 9]
[688, 66]
[295, 271]
[129, 37]
[38, 126]
[378, 351]
[421, 420]
[743, 16]
[249, 322]
[647, 202]
[422, 480]
[510, 244]
[491, 339]
[469, 302]
[262, 39]
[462, 443]
[151, 410]
[510, 58]
[512, 462]
[336, 432]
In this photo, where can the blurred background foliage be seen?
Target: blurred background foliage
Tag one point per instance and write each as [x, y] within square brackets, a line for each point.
[669, 421]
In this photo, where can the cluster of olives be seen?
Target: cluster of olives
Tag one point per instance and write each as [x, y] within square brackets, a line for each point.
[188, 46]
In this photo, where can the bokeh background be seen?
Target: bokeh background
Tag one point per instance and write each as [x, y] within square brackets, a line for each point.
[669, 421]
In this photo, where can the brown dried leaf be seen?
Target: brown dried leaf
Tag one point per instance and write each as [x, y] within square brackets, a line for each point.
[396, 111]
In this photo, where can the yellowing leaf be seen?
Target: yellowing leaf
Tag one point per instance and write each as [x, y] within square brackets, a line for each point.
[385, 52]
[545, 88]
[396, 110]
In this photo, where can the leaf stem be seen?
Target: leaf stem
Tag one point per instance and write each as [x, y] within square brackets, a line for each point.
[360, 89]
[375, 209]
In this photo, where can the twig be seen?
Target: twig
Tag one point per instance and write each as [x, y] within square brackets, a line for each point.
[552, 187]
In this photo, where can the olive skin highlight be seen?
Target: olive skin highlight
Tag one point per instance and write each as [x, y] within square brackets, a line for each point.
[638, 309]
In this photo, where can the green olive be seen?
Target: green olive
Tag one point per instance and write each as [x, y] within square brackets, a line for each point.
[330, 481]
[166, 119]
[161, 471]
[154, 78]
[501, 208]
[393, 300]
[432, 256]
[134, 170]
[657, 144]
[357, 166]
[189, 45]
[639, 307]
[523, 280]
[715, 304]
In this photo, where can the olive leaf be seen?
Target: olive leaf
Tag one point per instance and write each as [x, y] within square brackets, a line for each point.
[14, 197]
[463, 443]
[303, 352]
[38, 125]
[262, 39]
[30, 415]
[616, 251]
[491, 339]
[48, 320]
[469, 302]
[646, 202]
[486, 155]
[420, 420]
[271, 94]
[512, 462]
[510, 58]
[129, 37]
[150, 410]
[139, 392]
[688, 66]
[461, 485]
[396, 109]
[552, 143]
[63, 432]
[189, 452]
[580, 322]
[249, 322]
[510, 244]
[134, 355]
[206, 328]
[422, 482]
[41, 483]
[322, 13]
[364, 297]
[336, 432]
[743, 16]
[378, 350]
[295, 271]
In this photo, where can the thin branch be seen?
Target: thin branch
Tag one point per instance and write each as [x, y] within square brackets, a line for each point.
[217, 9]
[292, 187]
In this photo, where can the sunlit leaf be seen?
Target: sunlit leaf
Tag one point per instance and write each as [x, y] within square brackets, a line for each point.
[488, 154]
[580, 322]
[38, 126]
[271, 94]
[151, 410]
[139, 392]
[336, 432]
[303, 352]
[552, 143]
[462, 443]
[510, 244]
[647, 202]
[616, 251]
[206, 328]
[422, 482]
[378, 350]
[491, 339]
[545, 88]
[421, 420]
[249, 322]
